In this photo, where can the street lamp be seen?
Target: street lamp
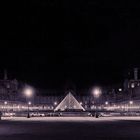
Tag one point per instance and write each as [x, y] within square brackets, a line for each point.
[96, 93]
[5, 104]
[55, 103]
[29, 103]
[131, 103]
[120, 89]
[132, 88]
[132, 85]
[28, 92]
[106, 103]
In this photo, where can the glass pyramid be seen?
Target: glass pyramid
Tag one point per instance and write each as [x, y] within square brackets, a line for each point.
[69, 103]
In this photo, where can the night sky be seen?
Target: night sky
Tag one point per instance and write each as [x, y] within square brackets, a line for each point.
[52, 44]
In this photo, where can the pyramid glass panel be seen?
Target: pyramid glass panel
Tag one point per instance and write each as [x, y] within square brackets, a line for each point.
[69, 103]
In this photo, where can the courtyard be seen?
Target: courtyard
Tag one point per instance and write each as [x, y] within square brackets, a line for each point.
[70, 128]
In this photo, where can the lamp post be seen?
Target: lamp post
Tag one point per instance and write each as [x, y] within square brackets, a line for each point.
[96, 93]
[132, 87]
[29, 103]
[131, 103]
[28, 92]
[106, 105]
[5, 105]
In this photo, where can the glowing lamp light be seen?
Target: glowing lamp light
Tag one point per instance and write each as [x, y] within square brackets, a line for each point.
[106, 103]
[132, 85]
[28, 92]
[29, 103]
[5, 103]
[120, 89]
[96, 92]
[55, 103]
[130, 102]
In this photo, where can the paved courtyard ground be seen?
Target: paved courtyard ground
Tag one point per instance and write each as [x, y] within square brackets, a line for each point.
[78, 128]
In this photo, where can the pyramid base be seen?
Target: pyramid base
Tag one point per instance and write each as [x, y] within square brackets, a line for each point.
[75, 114]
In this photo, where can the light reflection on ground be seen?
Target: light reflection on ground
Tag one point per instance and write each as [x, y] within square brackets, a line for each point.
[69, 118]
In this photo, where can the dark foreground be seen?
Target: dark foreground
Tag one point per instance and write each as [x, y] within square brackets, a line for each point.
[70, 129]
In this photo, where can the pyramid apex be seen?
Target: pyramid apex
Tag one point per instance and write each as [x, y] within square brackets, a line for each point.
[70, 93]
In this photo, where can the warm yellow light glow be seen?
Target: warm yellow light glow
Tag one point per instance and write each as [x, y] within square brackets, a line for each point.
[28, 92]
[96, 92]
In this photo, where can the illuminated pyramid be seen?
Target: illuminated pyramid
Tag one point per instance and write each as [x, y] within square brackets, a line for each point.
[69, 103]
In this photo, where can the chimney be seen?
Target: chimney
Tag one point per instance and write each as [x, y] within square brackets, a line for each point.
[135, 73]
[5, 75]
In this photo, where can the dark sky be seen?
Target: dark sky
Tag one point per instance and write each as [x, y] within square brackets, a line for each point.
[51, 43]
